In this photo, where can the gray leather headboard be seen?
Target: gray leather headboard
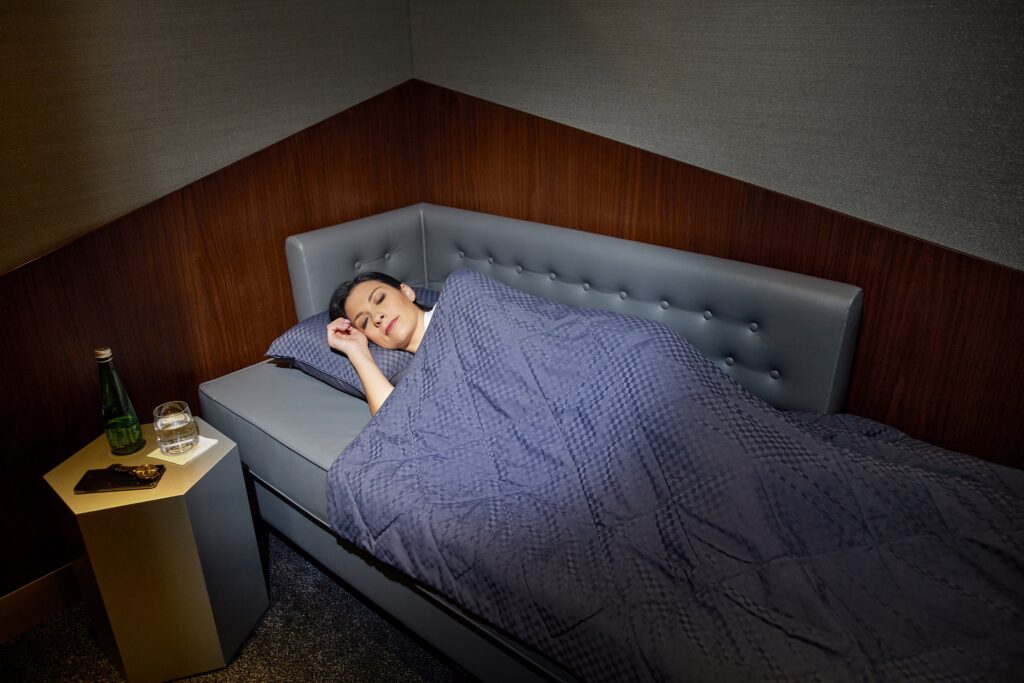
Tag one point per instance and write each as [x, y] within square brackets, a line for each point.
[788, 338]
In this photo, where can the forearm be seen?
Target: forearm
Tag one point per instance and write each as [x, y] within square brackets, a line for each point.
[375, 385]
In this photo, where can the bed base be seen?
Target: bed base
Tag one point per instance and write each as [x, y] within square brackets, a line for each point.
[476, 647]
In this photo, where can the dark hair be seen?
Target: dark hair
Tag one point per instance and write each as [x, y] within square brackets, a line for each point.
[340, 296]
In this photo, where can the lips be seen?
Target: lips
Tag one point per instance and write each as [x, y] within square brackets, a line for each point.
[387, 330]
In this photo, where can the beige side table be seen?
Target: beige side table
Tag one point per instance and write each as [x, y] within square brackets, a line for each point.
[177, 569]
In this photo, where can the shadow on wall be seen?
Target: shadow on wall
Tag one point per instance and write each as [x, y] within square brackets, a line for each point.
[117, 104]
[47, 129]
[41, 86]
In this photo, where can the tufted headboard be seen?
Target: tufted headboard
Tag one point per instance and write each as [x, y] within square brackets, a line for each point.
[788, 338]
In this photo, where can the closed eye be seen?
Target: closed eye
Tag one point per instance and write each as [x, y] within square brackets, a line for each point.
[366, 318]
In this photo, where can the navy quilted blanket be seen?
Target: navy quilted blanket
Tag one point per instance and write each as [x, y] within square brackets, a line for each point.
[592, 485]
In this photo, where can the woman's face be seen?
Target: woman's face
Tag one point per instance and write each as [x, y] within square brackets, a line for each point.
[387, 316]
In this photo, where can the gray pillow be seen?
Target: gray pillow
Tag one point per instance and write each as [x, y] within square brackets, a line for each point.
[305, 346]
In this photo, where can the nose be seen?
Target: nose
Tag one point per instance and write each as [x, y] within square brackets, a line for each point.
[379, 320]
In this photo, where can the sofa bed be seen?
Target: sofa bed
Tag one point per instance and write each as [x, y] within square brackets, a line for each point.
[764, 439]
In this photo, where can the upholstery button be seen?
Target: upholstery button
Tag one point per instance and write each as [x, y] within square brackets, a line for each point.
[707, 315]
[387, 255]
[462, 254]
[552, 276]
[519, 269]
[729, 360]
[754, 327]
[622, 295]
[358, 265]
[586, 286]
[774, 374]
[664, 305]
[490, 259]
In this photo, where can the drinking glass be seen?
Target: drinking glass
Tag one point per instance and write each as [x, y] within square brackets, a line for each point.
[176, 431]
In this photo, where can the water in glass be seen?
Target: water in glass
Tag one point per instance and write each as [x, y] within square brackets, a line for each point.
[176, 431]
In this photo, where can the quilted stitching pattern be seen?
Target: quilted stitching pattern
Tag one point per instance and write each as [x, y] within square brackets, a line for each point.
[591, 484]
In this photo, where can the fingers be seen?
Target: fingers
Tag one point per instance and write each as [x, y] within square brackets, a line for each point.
[339, 326]
[342, 334]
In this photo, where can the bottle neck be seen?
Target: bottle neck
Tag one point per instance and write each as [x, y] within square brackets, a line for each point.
[110, 383]
[106, 367]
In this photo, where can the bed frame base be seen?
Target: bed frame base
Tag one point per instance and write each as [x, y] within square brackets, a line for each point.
[480, 651]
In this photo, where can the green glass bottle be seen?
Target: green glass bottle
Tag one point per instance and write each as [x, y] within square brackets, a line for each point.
[121, 424]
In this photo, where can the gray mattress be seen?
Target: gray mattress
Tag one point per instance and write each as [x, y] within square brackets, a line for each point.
[289, 426]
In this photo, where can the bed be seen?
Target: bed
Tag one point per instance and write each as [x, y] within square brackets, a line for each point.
[772, 353]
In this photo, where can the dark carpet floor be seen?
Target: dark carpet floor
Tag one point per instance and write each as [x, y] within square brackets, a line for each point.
[314, 630]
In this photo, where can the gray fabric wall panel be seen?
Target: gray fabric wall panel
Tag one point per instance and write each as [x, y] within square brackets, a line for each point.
[109, 105]
[905, 114]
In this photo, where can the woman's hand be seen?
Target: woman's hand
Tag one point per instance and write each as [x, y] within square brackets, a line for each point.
[344, 337]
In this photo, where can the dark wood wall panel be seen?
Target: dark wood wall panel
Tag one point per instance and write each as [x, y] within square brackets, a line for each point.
[187, 288]
[941, 337]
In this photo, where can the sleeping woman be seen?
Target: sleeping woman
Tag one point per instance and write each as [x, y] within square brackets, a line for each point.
[375, 307]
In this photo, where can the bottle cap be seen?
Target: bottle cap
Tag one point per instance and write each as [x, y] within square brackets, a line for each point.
[102, 353]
